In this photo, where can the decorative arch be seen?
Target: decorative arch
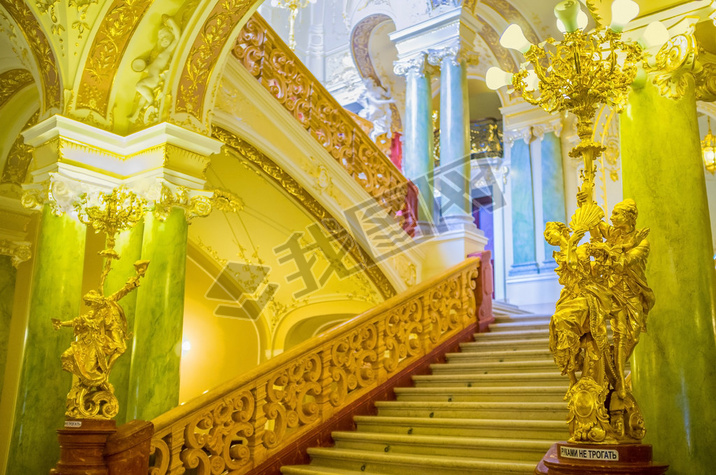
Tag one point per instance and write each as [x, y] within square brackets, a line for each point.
[42, 52]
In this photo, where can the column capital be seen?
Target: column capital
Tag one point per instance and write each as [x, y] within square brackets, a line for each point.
[414, 65]
[454, 53]
[524, 134]
[164, 165]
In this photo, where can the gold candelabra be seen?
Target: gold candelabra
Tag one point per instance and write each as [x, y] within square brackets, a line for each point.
[101, 332]
[292, 6]
[603, 279]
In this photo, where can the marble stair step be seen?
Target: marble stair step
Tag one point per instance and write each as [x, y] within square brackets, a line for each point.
[470, 447]
[528, 317]
[401, 464]
[483, 345]
[506, 308]
[496, 367]
[513, 335]
[553, 393]
[316, 470]
[556, 411]
[485, 380]
[500, 356]
[497, 428]
[519, 326]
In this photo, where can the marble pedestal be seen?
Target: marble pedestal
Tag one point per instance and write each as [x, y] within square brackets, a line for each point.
[582, 459]
[82, 444]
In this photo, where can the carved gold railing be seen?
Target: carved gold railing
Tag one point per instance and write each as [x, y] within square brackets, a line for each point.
[238, 425]
[264, 54]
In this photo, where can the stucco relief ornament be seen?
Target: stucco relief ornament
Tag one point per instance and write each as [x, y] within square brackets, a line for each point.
[154, 69]
[101, 333]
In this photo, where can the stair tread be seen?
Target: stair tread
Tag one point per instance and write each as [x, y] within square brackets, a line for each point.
[506, 341]
[442, 440]
[317, 470]
[426, 421]
[474, 405]
[528, 352]
[431, 460]
[482, 389]
[515, 333]
[453, 366]
[511, 376]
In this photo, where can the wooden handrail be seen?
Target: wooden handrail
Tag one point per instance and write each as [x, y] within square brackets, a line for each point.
[238, 425]
[264, 54]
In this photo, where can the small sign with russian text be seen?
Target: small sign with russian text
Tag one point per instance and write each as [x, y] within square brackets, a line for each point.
[73, 424]
[609, 455]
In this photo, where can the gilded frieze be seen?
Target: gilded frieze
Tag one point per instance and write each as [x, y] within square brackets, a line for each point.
[250, 154]
[108, 47]
[492, 39]
[513, 15]
[204, 54]
[41, 50]
[12, 82]
[19, 158]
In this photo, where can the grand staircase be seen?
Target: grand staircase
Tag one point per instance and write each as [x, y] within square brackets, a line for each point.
[494, 408]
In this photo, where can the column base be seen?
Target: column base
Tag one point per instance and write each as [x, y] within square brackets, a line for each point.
[82, 446]
[564, 458]
[460, 222]
[450, 248]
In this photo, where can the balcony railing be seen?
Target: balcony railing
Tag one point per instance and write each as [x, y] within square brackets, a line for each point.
[239, 425]
[278, 69]
[485, 140]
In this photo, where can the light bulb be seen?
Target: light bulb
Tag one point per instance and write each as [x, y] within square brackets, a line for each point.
[655, 35]
[561, 27]
[514, 38]
[623, 11]
[531, 81]
[582, 20]
[568, 13]
[497, 78]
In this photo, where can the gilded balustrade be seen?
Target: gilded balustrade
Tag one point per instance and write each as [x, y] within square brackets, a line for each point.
[239, 425]
[262, 52]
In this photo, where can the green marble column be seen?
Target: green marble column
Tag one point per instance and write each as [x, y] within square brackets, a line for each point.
[454, 177]
[158, 321]
[418, 161]
[553, 202]
[7, 295]
[674, 365]
[524, 254]
[129, 247]
[56, 293]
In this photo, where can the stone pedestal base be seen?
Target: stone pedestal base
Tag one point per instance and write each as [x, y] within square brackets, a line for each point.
[82, 445]
[449, 249]
[576, 459]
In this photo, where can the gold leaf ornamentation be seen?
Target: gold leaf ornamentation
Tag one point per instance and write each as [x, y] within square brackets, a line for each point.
[20, 156]
[19, 252]
[113, 35]
[204, 55]
[675, 63]
[13, 81]
[280, 71]
[41, 50]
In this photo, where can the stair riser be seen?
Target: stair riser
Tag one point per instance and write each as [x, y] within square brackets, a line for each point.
[498, 357]
[492, 431]
[512, 335]
[560, 415]
[403, 469]
[497, 345]
[515, 396]
[504, 453]
[519, 326]
[522, 318]
[476, 382]
[521, 367]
